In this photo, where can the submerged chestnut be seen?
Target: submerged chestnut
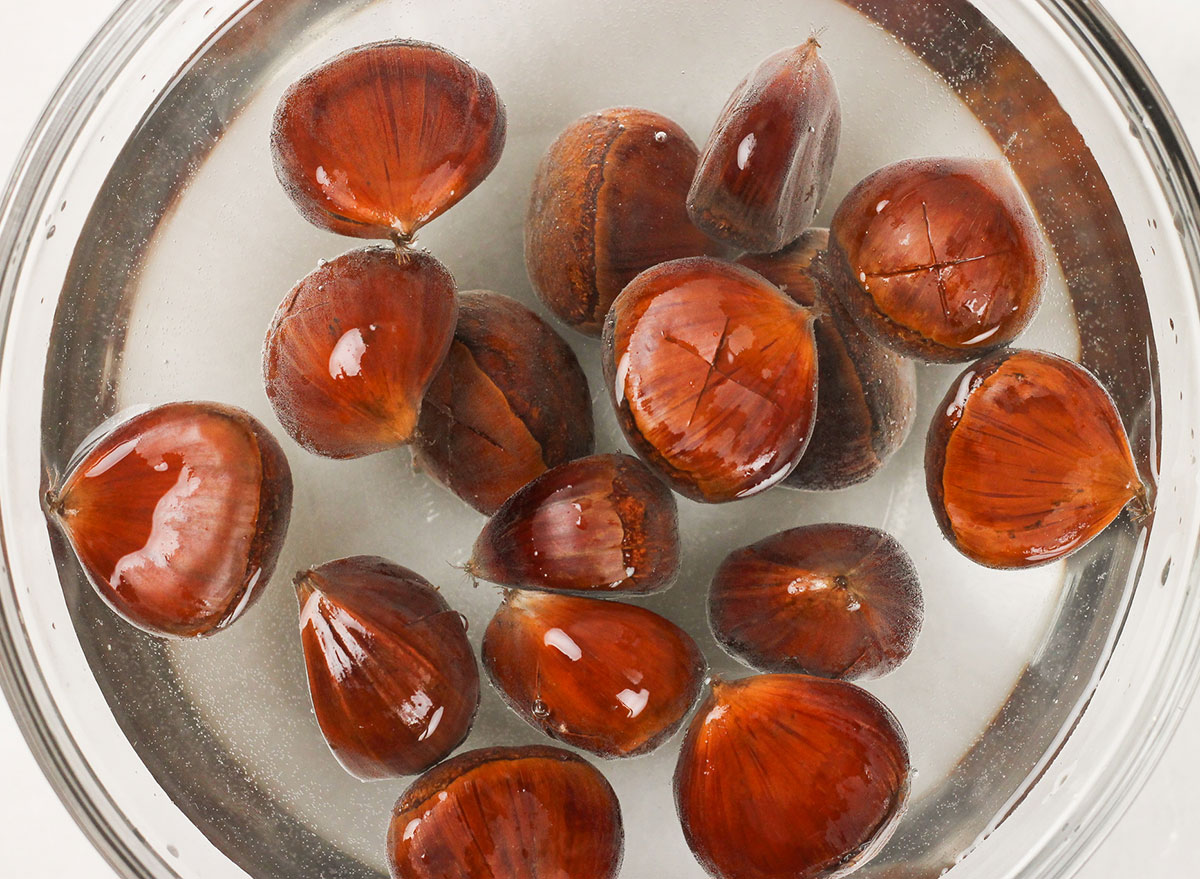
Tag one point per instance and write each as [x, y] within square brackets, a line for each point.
[509, 403]
[839, 601]
[605, 676]
[767, 163]
[378, 141]
[866, 393]
[607, 203]
[177, 515]
[392, 676]
[1027, 460]
[602, 523]
[513, 812]
[353, 347]
[940, 259]
[790, 777]
[713, 372]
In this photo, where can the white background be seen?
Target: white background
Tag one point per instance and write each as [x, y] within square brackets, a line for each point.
[1160, 835]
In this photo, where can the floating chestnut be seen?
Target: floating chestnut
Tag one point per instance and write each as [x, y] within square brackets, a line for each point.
[605, 676]
[790, 777]
[519, 812]
[713, 372]
[866, 393]
[599, 523]
[509, 403]
[608, 202]
[940, 259]
[353, 348]
[839, 601]
[392, 676]
[767, 163]
[378, 141]
[177, 515]
[1027, 460]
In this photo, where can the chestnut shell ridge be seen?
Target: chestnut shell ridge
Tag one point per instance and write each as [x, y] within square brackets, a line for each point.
[177, 515]
[713, 373]
[519, 812]
[1027, 460]
[790, 777]
[510, 402]
[393, 679]
[602, 523]
[381, 139]
[604, 676]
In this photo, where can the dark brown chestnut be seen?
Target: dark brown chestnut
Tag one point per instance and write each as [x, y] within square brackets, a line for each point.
[602, 523]
[509, 403]
[353, 348]
[378, 141]
[1027, 460]
[839, 601]
[866, 393]
[767, 163]
[604, 676]
[608, 202]
[790, 777]
[512, 812]
[940, 259]
[177, 515]
[392, 676]
[713, 373]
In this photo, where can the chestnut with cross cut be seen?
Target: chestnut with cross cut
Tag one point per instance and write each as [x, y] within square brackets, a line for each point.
[941, 259]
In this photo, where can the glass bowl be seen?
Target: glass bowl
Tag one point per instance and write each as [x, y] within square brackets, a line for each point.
[146, 245]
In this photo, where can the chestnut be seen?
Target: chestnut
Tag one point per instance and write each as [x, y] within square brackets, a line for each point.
[392, 676]
[602, 523]
[509, 403]
[713, 373]
[354, 346]
[766, 165]
[378, 141]
[866, 393]
[177, 515]
[608, 202]
[519, 812]
[940, 259]
[790, 777]
[1027, 460]
[604, 676]
[839, 601]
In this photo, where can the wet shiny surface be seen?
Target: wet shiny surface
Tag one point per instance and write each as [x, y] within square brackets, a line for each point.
[1027, 460]
[393, 679]
[178, 515]
[378, 141]
[519, 813]
[790, 777]
[608, 677]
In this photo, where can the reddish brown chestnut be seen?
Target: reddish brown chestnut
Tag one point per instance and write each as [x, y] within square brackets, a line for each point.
[512, 812]
[1027, 460]
[790, 777]
[378, 141]
[608, 677]
[608, 202]
[353, 348]
[839, 601]
[940, 259]
[392, 676]
[866, 393]
[599, 523]
[509, 403]
[177, 515]
[713, 374]
[767, 163]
